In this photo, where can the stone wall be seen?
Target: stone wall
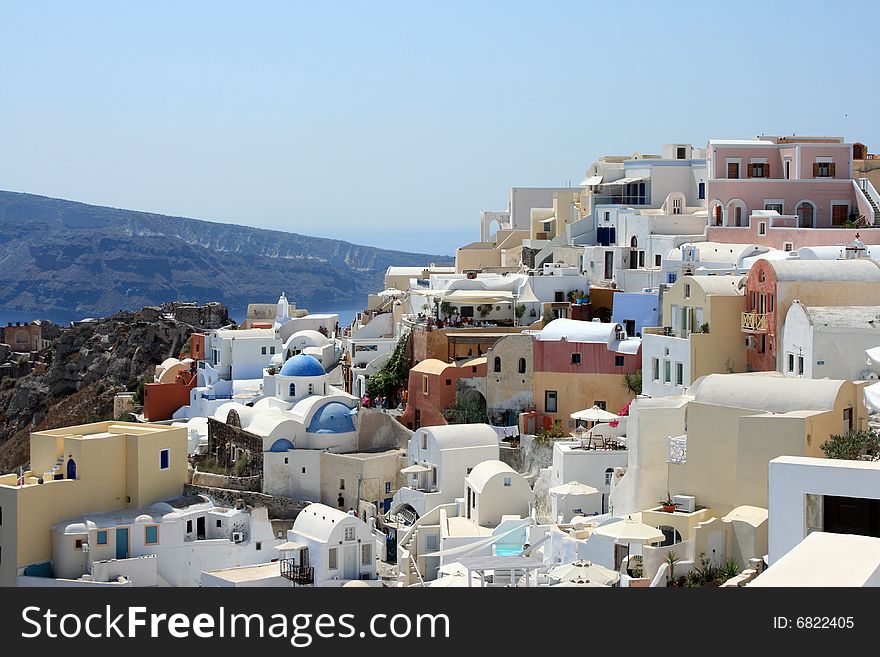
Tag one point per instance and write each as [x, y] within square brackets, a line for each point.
[379, 430]
[213, 480]
[280, 508]
[224, 437]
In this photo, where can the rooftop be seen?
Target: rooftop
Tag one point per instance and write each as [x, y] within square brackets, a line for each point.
[831, 318]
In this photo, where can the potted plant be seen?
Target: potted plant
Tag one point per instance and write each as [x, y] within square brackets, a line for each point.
[672, 559]
[667, 504]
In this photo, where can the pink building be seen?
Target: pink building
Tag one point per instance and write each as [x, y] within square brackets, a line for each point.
[777, 191]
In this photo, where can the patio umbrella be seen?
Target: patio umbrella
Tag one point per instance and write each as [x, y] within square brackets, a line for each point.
[573, 488]
[454, 568]
[584, 571]
[415, 469]
[453, 581]
[391, 292]
[630, 531]
[582, 584]
[594, 414]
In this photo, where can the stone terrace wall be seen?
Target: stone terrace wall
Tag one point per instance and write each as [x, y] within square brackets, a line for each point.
[212, 480]
[282, 508]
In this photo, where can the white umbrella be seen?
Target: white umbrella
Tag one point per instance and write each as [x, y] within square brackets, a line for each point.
[453, 581]
[582, 583]
[573, 488]
[415, 469]
[594, 414]
[584, 570]
[454, 568]
[391, 292]
[630, 531]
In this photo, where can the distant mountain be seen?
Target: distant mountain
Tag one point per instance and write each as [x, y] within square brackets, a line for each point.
[64, 256]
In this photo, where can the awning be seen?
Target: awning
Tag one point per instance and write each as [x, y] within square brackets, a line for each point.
[479, 296]
[548, 220]
[415, 469]
[591, 180]
[290, 545]
[626, 181]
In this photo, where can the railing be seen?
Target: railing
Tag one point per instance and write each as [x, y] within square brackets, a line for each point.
[215, 397]
[754, 322]
[621, 199]
[677, 450]
[299, 575]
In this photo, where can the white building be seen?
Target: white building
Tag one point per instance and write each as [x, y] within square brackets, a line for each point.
[241, 353]
[340, 547]
[186, 536]
[312, 343]
[593, 467]
[829, 342]
[493, 490]
[438, 460]
[820, 495]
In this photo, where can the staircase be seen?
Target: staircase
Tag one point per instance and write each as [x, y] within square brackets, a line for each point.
[411, 572]
[870, 195]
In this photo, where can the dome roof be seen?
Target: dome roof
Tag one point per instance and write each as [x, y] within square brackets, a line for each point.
[334, 417]
[302, 365]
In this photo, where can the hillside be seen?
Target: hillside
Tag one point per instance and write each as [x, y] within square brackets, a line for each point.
[63, 256]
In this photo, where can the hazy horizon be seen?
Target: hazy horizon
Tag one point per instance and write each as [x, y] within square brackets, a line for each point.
[394, 125]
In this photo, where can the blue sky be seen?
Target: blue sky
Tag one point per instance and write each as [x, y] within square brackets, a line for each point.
[395, 123]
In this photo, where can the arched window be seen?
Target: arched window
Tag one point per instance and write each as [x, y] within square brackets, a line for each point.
[522, 365]
[671, 534]
[609, 475]
[634, 242]
[497, 363]
[292, 390]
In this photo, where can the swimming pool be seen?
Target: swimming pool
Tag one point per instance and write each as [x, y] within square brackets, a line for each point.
[508, 550]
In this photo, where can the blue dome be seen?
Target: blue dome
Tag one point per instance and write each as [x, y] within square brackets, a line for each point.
[302, 365]
[333, 418]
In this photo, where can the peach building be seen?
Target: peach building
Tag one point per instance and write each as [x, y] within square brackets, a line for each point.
[432, 389]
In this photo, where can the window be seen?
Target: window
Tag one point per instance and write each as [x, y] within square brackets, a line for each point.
[286, 461]
[331, 557]
[424, 441]
[788, 246]
[102, 537]
[618, 361]
[219, 523]
[507, 482]
[609, 474]
[800, 370]
[263, 351]
[733, 170]
[787, 169]
[680, 153]
[679, 374]
[349, 533]
[804, 213]
[292, 390]
[449, 382]
[658, 260]
[558, 296]
[770, 298]
[151, 535]
[550, 401]
[303, 470]
[164, 459]
[701, 190]
[366, 554]
[607, 215]
[758, 170]
[777, 207]
[791, 362]
[667, 371]
[575, 359]
[259, 545]
[497, 363]
[189, 526]
[522, 366]
[641, 259]
[655, 369]
[311, 388]
[342, 484]
[387, 486]
[601, 404]
[424, 385]
[78, 544]
[687, 290]
[823, 170]
[762, 228]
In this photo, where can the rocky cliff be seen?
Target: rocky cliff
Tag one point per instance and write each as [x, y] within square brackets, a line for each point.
[77, 377]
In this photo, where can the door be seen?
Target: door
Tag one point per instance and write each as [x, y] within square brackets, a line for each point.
[386, 505]
[847, 420]
[350, 565]
[851, 515]
[200, 529]
[715, 546]
[609, 264]
[122, 542]
[839, 214]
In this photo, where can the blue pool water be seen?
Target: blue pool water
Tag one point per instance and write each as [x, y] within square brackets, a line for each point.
[508, 550]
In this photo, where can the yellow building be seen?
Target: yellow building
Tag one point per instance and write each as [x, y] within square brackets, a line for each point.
[503, 252]
[701, 334]
[84, 469]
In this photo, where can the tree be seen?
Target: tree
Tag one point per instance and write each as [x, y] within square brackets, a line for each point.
[854, 445]
[633, 382]
[468, 409]
[393, 374]
[520, 310]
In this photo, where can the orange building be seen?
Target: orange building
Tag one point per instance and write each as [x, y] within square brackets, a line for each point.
[161, 400]
[432, 387]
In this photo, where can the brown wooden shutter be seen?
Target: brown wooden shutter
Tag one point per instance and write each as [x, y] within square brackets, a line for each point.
[815, 169]
[831, 169]
[767, 171]
[749, 170]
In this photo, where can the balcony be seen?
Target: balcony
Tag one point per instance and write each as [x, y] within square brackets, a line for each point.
[299, 575]
[754, 322]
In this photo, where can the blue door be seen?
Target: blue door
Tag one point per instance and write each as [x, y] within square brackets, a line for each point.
[122, 542]
[386, 505]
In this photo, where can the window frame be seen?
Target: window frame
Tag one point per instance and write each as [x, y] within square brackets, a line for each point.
[146, 538]
[165, 455]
